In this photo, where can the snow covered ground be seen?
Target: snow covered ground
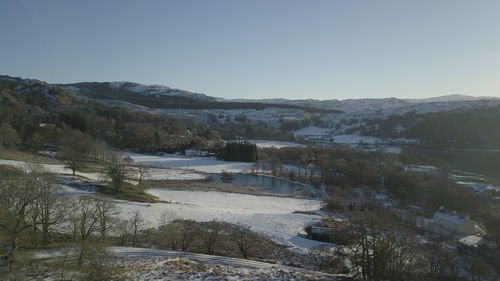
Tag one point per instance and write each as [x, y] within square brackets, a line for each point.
[153, 264]
[166, 174]
[53, 168]
[312, 131]
[153, 173]
[202, 164]
[355, 139]
[271, 216]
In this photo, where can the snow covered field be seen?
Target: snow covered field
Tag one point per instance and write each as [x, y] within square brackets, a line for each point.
[167, 174]
[53, 168]
[355, 139]
[153, 173]
[267, 215]
[271, 216]
[202, 164]
[276, 144]
[312, 131]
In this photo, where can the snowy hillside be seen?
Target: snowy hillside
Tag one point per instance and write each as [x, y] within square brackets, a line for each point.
[347, 122]
[451, 98]
[369, 104]
[156, 90]
[350, 105]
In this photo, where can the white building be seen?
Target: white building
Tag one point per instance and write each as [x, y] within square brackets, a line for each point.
[422, 169]
[196, 153]
[454, 223]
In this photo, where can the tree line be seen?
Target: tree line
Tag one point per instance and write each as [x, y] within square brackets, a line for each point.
[239, 151]
[346, 169]
[380, 248]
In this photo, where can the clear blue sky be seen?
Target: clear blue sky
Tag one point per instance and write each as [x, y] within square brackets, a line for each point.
[260, 49]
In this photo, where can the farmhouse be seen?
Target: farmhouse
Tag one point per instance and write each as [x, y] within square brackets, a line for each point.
[454, 223]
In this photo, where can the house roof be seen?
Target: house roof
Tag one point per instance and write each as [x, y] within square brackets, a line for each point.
[451, 217]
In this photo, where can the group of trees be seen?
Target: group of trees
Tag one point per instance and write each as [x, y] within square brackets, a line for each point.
[380, 250]
[8, 135]
[251, 131]
[34, 124]
[32, 208]
[377, 247]
[123, 128]
[239, 151]
[34, 212]
[344, 169]
[211, 238]
[476, 128]
[26, 205]
[117, 169]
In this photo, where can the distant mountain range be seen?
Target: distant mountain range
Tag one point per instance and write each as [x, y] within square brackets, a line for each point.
[139, 96]
[453, 120]
[165, 97]
[450, 98]
[367, 104]
[135, 95]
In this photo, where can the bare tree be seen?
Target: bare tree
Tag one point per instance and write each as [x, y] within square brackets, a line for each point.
[87, 222]
[51, 207]
[16, 203]
[142, 175]
[34, 215]
[122, 230]
[210, 234]
[492, 225]
[71, 218]
[187, 231]
[106, 211]
[244, 241]
[441, 261]
[97, 266]
[167, 231]
[72, 158]
[166, 217]
[116, 169]
[168, 236]
[136, 224]
[381, 250]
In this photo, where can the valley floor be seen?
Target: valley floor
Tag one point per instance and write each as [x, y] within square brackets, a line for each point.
[201, 164]
[274, 217]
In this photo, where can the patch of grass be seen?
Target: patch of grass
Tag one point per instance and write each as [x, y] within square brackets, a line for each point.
[91, 167]
[9, 172]
[131, 193]
[208, 186]
[23, 257]
[26, 157]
